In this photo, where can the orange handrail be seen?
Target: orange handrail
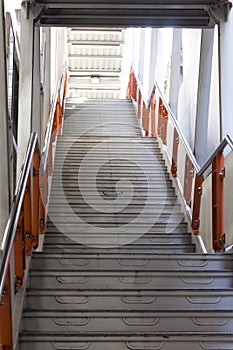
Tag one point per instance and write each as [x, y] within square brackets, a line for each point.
[28, 215]
[18, 239]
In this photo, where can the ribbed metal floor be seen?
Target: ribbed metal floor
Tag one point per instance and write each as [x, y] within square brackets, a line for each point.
[119, 270]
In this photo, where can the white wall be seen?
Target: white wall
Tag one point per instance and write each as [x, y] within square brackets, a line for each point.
[226, 49]
[214, 115]
[147, 52]
[56, 39]
[163, 55]
[142, 57]
[58, 55]
[126, 60]
[191, 41]
[136, 49]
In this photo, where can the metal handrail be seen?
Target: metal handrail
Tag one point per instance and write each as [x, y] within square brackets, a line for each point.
[227, 141]
[11, 227]
[180, 133]
[45, 150]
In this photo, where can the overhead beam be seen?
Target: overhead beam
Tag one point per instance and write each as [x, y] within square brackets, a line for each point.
[123, 5]
[167, 13]
[168, 3]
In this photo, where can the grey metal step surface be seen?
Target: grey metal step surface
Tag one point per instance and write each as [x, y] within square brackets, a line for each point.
[118, 269]
[162, 246]
[120, 342]
[169, 262]
[143, 241]
[153, 262]
[136, 200]
[131, 208]
[65, 277]
[133, 300]
[133, 228]
[140, 322]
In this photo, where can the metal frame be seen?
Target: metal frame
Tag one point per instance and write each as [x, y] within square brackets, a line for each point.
[158, 13]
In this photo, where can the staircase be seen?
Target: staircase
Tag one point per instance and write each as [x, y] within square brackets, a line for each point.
[119, 269]
[95, 62]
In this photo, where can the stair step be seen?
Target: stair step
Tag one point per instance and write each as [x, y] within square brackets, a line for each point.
[150, 240]
[135, 200]
[126, 195]
[168, 209]
[69, 276]
[132, 300]
[145, 249]
[158, 249]
[169, 262]
[130, 342]
[124, 185]
[154, 168]
[133, 229]
[136, 322]
[115, 142]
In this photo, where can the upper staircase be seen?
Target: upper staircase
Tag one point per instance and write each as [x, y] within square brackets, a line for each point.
[95, 62]
[119, 270]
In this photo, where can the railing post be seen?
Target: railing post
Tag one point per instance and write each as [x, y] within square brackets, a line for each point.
[65, 89]
[145, 119]
[152, 111]
[50, 159]
[197, 203]
[19, 253]
[43, 199]
[175, 153]
[27, 218]
[35, 204]
[160, 117]
[129, 87]
[164, 125]
[218, 174]
[60, 118]
[188, 180]
[139, 104]
[42, 214]
[134, 92]
[6, 334]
